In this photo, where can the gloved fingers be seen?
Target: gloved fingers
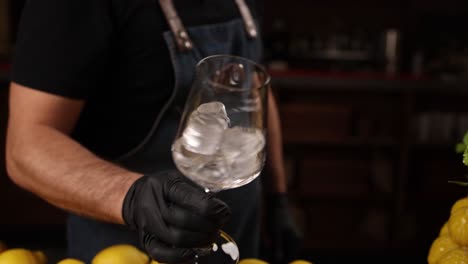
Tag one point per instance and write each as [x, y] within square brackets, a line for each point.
[193, 198]
[172, 235]
[167, 254]
[182, 218]
[185, 238]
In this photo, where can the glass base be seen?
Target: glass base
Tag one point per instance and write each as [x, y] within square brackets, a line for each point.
[223, 251]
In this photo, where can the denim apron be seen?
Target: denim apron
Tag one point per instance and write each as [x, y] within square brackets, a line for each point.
[187, 46]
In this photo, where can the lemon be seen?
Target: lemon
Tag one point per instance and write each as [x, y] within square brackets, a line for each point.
[455, 256]
[458, 226]
[444, 230]
[40, 257]
[300, 261]
[439, 247]
[70, 261]
[463, 202]
[22, 256]
[120, 254]
[252, 261]
[154, 262]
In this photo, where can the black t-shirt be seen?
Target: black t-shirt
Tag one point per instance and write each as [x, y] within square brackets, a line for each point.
[110, 53]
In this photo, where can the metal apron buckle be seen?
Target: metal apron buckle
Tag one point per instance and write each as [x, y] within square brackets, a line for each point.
[183, 41]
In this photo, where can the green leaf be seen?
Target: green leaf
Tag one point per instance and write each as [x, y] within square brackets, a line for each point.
[465, 157]
[460, 148]
[464, 184]
[465, 138]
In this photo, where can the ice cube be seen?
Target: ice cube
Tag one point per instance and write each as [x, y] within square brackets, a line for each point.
[187, 161]
[241, 142]
[209, 171]
[205, 128]
[243, 149]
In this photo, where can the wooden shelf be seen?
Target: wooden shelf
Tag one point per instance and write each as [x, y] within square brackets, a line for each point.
[312, 81]
[346, 143]
[326, 153]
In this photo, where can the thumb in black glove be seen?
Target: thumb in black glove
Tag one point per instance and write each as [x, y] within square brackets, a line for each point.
[173, 216]
[286, 238]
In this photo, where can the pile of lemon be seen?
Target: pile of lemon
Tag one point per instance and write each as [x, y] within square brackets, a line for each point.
[20, 255]
[451, 245]
[116, 254]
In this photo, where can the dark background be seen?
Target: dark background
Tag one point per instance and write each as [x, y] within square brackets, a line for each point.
[369, 138]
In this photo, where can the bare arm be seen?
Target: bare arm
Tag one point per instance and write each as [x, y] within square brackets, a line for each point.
[42, 158]
[275, 148]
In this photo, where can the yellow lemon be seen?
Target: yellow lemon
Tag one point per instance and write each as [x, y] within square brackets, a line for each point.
[458, 226]
[120, 254]
[439, 247]
[70, 261]
[444, 230]
[463, 202]
[22, 256]
[300, 261]
[154, 262]
[252, 261]
[456, 256]
[40, 257]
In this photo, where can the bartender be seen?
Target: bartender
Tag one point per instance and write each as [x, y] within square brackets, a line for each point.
[91, 120]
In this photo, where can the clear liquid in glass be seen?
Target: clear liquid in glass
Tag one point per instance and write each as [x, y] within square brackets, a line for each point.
[217, 156]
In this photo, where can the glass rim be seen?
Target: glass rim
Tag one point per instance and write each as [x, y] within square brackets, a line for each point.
[265, 83]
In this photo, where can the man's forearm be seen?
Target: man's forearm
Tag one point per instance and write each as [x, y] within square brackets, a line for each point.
[275, 148]
[50, 164]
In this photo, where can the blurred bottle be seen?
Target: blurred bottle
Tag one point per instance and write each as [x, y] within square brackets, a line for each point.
[391, 50]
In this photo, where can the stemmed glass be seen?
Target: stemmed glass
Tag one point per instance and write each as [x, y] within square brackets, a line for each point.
[220, 142]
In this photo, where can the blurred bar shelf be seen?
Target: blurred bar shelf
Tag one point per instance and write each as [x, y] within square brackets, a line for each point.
[353, 142]
[341, 144]
[437, 146]
[372, 82]
[365, 200]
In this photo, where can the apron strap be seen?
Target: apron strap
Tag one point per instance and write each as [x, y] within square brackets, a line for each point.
[250, 26]
[183, 41]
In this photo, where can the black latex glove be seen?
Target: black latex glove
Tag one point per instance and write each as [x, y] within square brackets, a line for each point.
[173, 216]
[286, 238]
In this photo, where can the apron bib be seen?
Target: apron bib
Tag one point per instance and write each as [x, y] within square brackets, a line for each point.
[86, 237]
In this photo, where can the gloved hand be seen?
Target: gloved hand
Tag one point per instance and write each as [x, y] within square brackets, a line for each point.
[286, 238]
[173, 216]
